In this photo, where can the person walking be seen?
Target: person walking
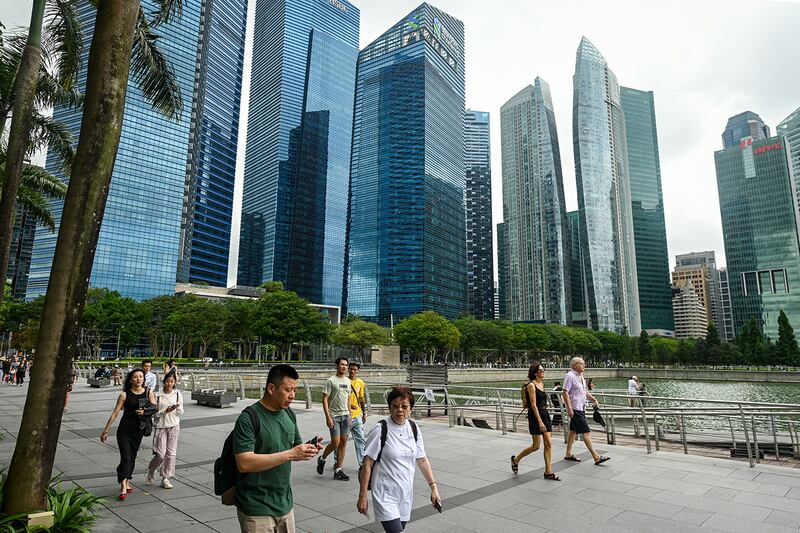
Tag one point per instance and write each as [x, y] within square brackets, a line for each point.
[335, 399]
[394, 449]
[171, 367]
[358, 410]
[539, 424]
[574, 396]
[135, 401]
[264, 501]
[21, 370]
[150, 380]
[12, 372]
[165, 437]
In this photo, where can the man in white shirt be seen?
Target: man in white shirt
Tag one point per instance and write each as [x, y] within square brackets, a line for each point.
[149, 377]
[633, 390]
[574, 397]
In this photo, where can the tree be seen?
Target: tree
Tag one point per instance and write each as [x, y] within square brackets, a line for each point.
[358, 334]
[108, 315]
[645, 349]
[106, 84]
[239, 326]
[426, 333]
[282, 318]
[199, 320]
[751, 342]
[786, 346]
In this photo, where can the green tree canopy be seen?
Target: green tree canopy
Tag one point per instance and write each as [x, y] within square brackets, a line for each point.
[358, 334]
[283, 318]
[786, 347]
[425, 333]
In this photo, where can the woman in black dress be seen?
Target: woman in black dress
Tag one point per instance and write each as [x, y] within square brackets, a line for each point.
[129, 434]
[539, 423]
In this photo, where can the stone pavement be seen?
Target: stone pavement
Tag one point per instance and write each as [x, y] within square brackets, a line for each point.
[632, 492]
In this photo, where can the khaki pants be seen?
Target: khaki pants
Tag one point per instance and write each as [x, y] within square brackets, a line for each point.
[266, 524]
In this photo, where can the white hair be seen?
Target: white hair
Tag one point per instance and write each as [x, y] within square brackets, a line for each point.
[574, 361]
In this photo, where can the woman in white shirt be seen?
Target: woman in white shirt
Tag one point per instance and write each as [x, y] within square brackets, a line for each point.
[165, 437]
[390, 465]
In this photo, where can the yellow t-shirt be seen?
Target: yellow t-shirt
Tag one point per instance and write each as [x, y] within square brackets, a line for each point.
[355, 401]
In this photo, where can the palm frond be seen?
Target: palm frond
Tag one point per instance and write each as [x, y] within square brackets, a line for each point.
[38, 179]
[38, 207]
[64, 39]
[46, 132]
[153, 73]
[51, 92]
[167, 10]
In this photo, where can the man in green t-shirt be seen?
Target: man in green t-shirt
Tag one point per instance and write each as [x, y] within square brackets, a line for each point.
[263, 490]
[335, 404]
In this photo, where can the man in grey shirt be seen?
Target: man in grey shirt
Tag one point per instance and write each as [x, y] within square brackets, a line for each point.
[335, 398]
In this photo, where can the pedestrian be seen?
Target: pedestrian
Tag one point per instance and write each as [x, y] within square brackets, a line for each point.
[590, 386]
[5, 364]
[73, 377]
[574, 397]
[554, 399]
[116, 375]
[150, 380]
[394, 448]
[335, 400]
[12, 373]
[264, 501]
[633, 391]
[135, 401]
[21, 370]
[170, 367]
[165, 436]
[539, 424]
[100, 373]
[358, 410]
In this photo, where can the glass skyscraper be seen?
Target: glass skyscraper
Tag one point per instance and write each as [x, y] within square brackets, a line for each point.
[746, 124]
[406, 229]
[649, 228]
[534, 209]
[604, 196]
[576, 271]
[760, 229]
[502, 271]
[790, 129]
[480, 253]
[294, 205]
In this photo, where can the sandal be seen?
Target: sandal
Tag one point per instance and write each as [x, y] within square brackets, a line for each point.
[122, 496]
[514, 466]
[552, 476]
[572, 458]
[602, 460]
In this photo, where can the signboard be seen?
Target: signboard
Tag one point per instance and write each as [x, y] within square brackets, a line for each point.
[429, 395]
[425, 34]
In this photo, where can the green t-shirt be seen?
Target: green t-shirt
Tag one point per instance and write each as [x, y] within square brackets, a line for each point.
[338, 391]
[267, 493]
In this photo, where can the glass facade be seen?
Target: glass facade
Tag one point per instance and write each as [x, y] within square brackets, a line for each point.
[647, 209]
[790, 129]
[138, 248]
[576, 271]
[502, 271]
[760, 230]
[480, 250]
[19, 259]
[406, 244]
[725, 327]
[294, 206]
[534, 208]
[742, 126]
[604, 196]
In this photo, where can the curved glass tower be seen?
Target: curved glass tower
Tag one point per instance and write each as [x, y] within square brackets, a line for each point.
[604, 196]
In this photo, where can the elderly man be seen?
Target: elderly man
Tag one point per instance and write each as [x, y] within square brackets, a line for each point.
[633, 390]
[574, 395]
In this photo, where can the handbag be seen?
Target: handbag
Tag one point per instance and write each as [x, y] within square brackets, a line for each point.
[146, 419]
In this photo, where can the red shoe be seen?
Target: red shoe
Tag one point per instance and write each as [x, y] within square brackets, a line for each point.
[122, 496]
[130, 490]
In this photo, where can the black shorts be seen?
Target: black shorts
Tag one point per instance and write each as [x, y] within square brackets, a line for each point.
[533, 424]
[578, 422]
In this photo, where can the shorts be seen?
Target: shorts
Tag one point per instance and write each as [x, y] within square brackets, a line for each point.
[533, 424]
[266, 524]
[341, 426]
[578, 422]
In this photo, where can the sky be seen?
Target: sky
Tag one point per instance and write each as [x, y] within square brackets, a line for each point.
[704, 60]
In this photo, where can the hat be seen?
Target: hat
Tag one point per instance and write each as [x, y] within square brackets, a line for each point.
[634, 377]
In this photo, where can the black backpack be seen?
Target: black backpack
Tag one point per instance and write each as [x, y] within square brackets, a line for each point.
[384, 433]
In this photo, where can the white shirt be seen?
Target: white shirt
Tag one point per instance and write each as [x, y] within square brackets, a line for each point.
[575, 386]
[163, 400]
[393, 477]
[633, 387]
[150, 381]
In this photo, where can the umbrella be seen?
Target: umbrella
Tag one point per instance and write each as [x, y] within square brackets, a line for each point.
[597, 417]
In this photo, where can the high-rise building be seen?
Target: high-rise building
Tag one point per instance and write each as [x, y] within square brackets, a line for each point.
[19, 259]
[742, 126]
[647, 210]
[760, 229]
[691, 262]
[534, 209]
[502, 271]
[691, 321]
[478, 200]
[790, 129]
[576, 271]
[699, 276]
[294, 203]
[725, 326]
[604, 196]
[406, 237]
[160, 161]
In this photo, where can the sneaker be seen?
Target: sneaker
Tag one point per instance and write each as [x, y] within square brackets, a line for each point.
[151, 477]
[341, 476]
[320, 465]
[165, 484]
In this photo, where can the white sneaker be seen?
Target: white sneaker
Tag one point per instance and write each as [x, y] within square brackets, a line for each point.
[151, 477]
[165, 484]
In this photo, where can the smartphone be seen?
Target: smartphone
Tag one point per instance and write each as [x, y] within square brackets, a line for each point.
[438, 505]
[314, 441]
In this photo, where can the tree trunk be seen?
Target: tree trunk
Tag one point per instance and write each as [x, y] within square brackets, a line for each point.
[107, 81]
[19, 137]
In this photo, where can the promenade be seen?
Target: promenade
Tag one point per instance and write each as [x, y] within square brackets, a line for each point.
[633, 492]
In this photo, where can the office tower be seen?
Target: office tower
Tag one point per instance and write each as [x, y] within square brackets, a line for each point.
[19, 259]
[712, 300]
[159, 160]
[478, 201]
[502, 271]
[576, 271]
[760, 230]
[534, 209]
[294, 203]
[725, 327]
[699, 276]
[790, 129]
[647, 209]
[406, 228]
[691, 321]
[742, 126]
[604, 196]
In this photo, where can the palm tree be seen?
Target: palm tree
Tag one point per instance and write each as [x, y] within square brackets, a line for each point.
[121, 29]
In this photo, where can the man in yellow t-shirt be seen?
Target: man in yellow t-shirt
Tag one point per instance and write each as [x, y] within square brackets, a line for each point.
[358, 410]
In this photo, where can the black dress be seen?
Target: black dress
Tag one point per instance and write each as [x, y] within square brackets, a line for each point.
[541, 406]
[129, 435]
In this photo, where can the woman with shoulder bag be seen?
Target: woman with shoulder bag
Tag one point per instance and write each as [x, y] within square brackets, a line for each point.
[169, 403]
[135, 402]
[539, 424]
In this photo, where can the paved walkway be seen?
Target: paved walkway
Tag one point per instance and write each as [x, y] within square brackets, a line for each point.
[633, 492]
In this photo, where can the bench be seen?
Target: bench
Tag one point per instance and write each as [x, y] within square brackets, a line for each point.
[214, 398]
[98, 383]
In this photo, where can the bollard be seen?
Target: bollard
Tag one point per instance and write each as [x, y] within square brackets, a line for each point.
[655, 431]
[683, 435]
[242, 395]
[502, 413]
[191, 380]
[307, 387]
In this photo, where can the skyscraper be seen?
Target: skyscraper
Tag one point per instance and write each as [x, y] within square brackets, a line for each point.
[534, 209]
[294, 204]
[691, 321]
[725, 327]
[159, 160]
[19, 260]
[760, 229]
[743, 125]
[480, 253]
[647, 209]
[502, 271]
[576, 271]
[790, 129]
[604, 196]
[406, 228]
[713, 301]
